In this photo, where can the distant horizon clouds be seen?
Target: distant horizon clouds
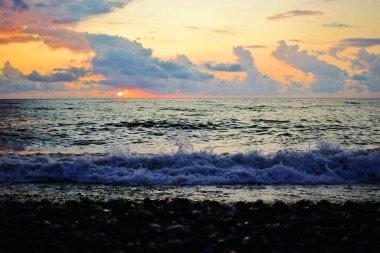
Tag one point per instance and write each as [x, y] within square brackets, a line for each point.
[337, 25]
[294, 14]
[360, 42]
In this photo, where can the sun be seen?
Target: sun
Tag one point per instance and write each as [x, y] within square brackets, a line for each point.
[119, 94]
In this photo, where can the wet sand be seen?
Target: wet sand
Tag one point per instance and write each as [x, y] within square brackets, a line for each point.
[228, 194]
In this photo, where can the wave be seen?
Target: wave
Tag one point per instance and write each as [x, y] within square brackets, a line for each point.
[324, 166]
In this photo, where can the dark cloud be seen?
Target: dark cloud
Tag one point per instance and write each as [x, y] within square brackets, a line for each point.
[295, 13]
[337, 25]
[59, 75]
[76, 10]
[64, 20]
[360, 77]
[20, 5]
[13, 5]
[225, 67]
[328, 78]
[359, 42]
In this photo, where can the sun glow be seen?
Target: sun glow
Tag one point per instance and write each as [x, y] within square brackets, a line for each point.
[119, 94]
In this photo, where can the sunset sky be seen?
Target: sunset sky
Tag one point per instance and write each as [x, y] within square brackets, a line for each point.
[197, 48]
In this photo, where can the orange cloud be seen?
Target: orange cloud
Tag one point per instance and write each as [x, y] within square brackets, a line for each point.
[46, 24]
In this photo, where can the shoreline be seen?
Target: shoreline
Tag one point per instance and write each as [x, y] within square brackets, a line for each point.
[228, 194]
[182, 225]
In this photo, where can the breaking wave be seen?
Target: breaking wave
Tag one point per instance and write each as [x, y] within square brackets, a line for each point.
[323, 166]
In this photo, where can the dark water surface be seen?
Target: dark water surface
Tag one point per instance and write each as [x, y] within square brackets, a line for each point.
[151, 126]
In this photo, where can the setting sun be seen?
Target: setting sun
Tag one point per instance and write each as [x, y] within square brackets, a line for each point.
[119, 94]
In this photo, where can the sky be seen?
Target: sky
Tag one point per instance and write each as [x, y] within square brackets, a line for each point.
[185, 49]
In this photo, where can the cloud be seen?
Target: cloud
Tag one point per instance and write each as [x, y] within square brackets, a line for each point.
[255, 82]
[20, 5]
[319, 52]
[359, 42]
[328, 78]
[16, 5]
[126, 63]
[74, 11]
[294, 14]
[189, 27]
[214, 30]
[123, 63]
[254, 46]
[56, 37]
[50, 21]
[366, 68]
[226, 67]
[337, 25]
[59, 75]
[370, 77]
[334, 51]
[17, 39]
[14, 81]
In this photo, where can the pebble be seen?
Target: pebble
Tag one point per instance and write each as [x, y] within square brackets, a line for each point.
[180, 225]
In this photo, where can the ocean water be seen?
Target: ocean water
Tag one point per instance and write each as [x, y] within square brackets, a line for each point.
[223, 125]
[190, 143]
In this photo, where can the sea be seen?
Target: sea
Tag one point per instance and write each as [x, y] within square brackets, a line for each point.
[226, 150]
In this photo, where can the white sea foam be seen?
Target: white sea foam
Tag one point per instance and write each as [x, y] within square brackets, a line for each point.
[324, 166]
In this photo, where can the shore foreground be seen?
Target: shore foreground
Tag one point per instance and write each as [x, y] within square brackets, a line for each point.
[180, 225]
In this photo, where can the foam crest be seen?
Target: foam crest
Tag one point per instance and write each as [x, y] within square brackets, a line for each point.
[323, 166]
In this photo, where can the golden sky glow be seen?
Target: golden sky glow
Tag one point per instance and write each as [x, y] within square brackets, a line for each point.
[56, 45]
[37, 56]
[209, 29]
